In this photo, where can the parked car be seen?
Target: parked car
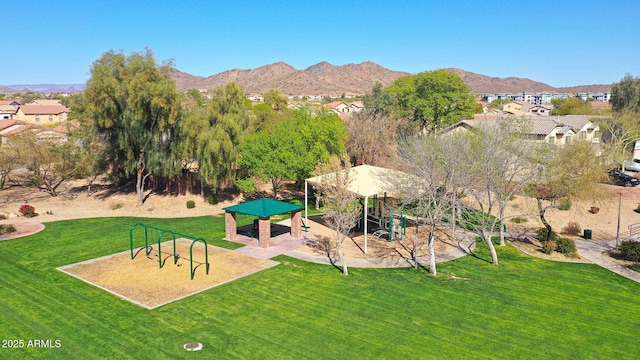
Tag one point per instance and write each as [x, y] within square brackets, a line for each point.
[621, 179]
[632, 165]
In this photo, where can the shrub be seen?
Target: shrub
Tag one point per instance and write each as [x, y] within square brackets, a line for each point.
[630, 250]
[565, 204]
[27, 210]
[212, 199]
[565, 246]
[191, 204]
[3, 217]
[542, 234]
[7, 228]
[548, 247]
[572, 228]
[519, 220]
[116, 206]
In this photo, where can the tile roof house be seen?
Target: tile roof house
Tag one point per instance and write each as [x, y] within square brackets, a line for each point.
[556, 130]
[42, 114]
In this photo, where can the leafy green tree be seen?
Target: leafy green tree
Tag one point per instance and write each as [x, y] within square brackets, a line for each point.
[277, 100]
[497, 103]
[432, 100]
[212, 133]
[135, 109]
[571, 106]
[625, 95]
[379, 102]
[293, 147]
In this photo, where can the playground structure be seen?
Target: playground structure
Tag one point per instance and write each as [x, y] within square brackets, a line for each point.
[372, 182]
[382, 220]
[160, 234]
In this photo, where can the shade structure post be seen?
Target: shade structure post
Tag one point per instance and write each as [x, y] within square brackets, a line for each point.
[366, 220]
[306, 204]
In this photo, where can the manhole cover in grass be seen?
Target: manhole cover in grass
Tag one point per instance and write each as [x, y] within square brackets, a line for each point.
[193, 346]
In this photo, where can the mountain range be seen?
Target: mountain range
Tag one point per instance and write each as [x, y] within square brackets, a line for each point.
[327, 79]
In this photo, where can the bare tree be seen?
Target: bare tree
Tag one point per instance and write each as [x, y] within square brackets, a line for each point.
[499, 167]
[342, 208]
[50, 163]
[619, 134]
[8, 163]
[427, 190]
[371, 135]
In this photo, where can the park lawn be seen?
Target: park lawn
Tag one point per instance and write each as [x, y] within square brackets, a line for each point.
[524, 308]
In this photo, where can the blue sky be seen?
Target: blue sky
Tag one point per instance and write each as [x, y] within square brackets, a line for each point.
[561, 43]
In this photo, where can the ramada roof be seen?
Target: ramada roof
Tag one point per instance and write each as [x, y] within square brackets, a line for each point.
[263, 208]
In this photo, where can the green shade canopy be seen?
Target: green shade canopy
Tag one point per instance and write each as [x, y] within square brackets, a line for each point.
[263, 208]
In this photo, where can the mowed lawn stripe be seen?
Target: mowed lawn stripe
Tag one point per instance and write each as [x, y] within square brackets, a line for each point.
[524, 308]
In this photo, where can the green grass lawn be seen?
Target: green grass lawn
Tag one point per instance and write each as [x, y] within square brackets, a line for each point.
[525, 308]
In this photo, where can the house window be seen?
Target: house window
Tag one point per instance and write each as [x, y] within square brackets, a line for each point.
[37, 118]
[582, 135]
[50, 118]
[552, 140]
[567, 140]
[60, 117]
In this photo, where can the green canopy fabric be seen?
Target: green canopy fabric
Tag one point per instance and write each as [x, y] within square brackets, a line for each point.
[263, 208]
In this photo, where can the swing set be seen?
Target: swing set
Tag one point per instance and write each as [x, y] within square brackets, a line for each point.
[151, 232]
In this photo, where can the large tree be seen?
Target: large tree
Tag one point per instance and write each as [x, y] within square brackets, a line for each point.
[212, 130]
[498, 166]
[625, 95]
[619, 132]
[275, 99]
[429, 190]
[371, 135]
[135, 108]
[432, 100]
[569, 172]
[292, 148]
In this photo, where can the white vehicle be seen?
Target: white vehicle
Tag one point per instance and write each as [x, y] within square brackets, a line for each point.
[632, 165]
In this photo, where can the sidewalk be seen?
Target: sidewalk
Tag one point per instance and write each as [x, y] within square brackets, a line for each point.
[592, 251]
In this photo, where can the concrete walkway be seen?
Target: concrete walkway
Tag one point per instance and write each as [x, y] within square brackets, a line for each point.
[592, 251]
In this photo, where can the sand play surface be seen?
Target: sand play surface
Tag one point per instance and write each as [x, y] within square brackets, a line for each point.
[143, 282]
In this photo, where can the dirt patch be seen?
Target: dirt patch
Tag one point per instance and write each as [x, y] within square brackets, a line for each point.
[143, 282]
[378, 249]
[604, 224]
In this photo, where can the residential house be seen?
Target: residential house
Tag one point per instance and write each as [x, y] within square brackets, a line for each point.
[557, 130]
[337, 107]
[42, 114]
[356, 106]
[7, 111]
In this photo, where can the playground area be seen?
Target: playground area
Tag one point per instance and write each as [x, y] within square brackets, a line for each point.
[380, 251]
[141, 280]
